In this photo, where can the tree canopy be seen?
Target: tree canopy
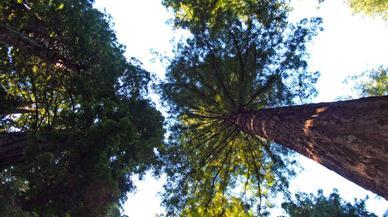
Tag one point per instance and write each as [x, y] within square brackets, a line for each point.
[242, 55]
[75, 119]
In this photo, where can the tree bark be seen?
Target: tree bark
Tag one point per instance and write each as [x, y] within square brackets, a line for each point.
[17, 39]
[348, 137]
[11, 147]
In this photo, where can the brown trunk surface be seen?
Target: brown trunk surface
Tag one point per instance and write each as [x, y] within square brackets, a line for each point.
[348, 137]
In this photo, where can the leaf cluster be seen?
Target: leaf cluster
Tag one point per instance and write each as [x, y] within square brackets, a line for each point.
[371, 83]
[374, 8]
[310, 205]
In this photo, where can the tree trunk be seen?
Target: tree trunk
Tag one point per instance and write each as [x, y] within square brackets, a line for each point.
[348, 137]
[27, 45]
[13, 144]
[11, 147]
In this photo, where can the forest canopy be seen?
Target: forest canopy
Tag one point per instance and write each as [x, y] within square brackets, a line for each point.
[77, 121]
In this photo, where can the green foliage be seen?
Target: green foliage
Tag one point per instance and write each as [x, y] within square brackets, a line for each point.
[220, 206]
[372, 83]
[190, 14]
[378, 8]
[310, 205]
[242, 55]
[8, 196]
[378, 83]
[82, 107]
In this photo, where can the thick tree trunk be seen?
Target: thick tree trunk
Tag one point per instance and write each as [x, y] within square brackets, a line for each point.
[348, 137]
[14, 38]
[11, 147]
[13, 144]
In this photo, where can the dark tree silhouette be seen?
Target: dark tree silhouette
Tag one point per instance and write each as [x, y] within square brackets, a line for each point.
[75, 122]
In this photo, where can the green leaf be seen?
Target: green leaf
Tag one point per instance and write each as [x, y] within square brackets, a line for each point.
[60, 6]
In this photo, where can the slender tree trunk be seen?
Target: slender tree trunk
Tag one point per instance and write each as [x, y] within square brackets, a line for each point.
[17, 39]
[348, 137]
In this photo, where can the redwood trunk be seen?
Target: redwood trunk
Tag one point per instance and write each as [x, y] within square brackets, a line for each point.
[11, 147]
[348, 137]
[19, 40]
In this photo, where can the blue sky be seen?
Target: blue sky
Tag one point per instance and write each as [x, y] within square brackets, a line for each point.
[348, 45]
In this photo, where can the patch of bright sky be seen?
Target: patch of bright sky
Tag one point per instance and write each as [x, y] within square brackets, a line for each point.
[348, 45]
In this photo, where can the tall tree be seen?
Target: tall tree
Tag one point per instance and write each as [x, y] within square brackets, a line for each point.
[75, 120]
[242, 55]
[242, 61]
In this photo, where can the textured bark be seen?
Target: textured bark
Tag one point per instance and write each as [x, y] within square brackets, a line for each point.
[30, 46]
[348, 137]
